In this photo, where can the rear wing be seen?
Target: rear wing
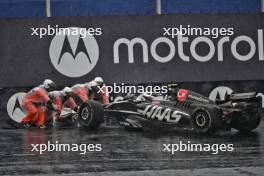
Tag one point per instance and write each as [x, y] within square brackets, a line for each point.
[243, 96]
[236, 97]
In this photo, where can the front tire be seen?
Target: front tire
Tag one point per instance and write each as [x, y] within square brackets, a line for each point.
[91, 115]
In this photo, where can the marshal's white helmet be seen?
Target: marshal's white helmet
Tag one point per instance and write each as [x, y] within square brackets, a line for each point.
[49, 84]
[66, 91]
[99, 80]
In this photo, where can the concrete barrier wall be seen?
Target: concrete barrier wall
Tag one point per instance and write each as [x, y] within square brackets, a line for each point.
[132, 49]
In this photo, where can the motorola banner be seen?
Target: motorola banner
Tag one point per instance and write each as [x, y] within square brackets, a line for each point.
[132, 49]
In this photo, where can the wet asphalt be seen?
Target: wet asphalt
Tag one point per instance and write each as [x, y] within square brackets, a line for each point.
[129, 152]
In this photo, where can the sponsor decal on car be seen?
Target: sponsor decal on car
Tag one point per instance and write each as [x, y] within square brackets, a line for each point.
[161, 113]
[182, 94]
[201, 99]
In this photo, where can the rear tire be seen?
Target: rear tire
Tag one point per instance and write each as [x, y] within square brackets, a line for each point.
[91, 115]
[247, 122]
[204, 122]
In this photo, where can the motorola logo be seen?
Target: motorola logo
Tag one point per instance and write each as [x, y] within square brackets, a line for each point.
[74, 55]
[14, 108]
[219, 93]
[181, 45]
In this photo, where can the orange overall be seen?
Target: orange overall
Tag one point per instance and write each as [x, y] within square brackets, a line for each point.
[104, 94]
[34, 104]
[60, 101]
[100, 91]
[81, 92]
[84, 93]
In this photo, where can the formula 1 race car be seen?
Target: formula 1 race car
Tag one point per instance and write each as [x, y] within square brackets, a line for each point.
[182, 108]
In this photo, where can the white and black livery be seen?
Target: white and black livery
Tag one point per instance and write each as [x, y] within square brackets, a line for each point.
[184, 108]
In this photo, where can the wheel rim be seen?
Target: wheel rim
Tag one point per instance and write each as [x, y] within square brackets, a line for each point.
[85, 113]
[200, 120]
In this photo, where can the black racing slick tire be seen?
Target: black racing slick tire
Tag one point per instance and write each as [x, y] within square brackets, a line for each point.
[204, 121]
[91, 115]
[246, 122]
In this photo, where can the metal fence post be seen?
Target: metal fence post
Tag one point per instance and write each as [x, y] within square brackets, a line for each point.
[48, 11]
[262, 6]
[158, 7]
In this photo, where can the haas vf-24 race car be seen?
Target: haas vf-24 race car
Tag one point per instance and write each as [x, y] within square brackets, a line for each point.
[184, 108]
